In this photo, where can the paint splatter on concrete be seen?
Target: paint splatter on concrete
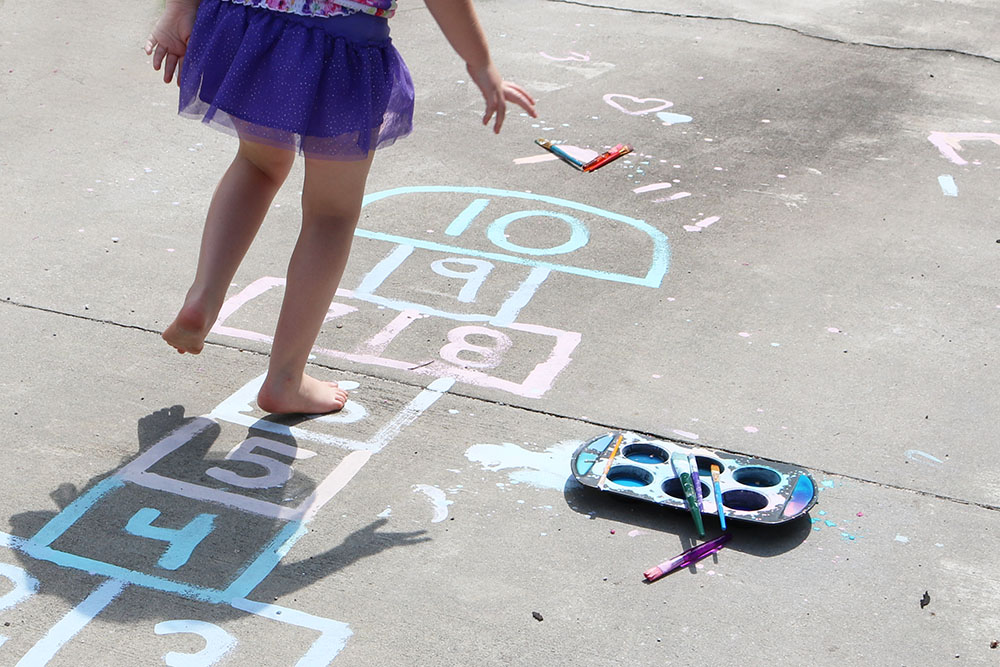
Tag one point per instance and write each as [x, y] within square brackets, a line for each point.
[438, 500]
[545, 470]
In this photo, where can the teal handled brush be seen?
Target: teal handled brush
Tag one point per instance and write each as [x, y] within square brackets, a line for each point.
[682, 469]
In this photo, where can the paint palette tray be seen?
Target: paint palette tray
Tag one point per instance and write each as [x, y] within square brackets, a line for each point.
[751, 489]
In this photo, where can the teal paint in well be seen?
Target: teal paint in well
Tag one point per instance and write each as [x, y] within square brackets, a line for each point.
[585, 462]
[646, 458]
[629, 481]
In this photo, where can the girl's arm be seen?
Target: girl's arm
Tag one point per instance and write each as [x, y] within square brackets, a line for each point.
[457, 20]
[169, 38]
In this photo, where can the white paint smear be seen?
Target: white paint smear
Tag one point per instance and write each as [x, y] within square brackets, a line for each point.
[535, 158]
[437, 499]
[546, 470]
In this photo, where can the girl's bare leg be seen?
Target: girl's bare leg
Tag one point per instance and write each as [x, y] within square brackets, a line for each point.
[237, 210]
[331, 203]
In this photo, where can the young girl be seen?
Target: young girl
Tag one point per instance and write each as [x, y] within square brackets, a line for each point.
[316, 76]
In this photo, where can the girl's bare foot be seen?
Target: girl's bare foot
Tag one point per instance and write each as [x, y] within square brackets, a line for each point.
[305, 395]
[188, 330]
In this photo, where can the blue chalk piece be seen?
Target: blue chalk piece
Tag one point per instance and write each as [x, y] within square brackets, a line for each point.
[182, 541]
[948, 186]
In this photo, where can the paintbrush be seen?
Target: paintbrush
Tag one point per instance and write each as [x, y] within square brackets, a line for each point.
[611, 459]
[696, 480]
[679, 462]
[718, 497]
[605, 158]
[689, 557]
[555, 150]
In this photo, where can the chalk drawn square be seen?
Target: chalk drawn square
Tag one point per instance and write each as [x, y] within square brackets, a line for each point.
[456, 357]
[156, 627]
[216, 559]
[456, 287]
[522, 228]
[235, 487]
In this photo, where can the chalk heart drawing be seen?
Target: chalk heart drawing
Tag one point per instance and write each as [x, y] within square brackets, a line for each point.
[654, 104]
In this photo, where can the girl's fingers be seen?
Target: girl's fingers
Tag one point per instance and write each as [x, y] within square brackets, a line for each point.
[158, 55]
[149, 46]
[490, 110]
[168, 71]
[501, 114]
[518, 89]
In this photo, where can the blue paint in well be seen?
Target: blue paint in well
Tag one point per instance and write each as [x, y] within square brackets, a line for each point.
[585, 462]
[628, 481]
[646, 458]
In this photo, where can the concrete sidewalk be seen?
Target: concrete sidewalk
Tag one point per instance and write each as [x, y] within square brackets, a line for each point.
[799, 263]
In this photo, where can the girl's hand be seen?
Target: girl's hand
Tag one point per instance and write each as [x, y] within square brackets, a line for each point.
[497, 92]
[168, 41]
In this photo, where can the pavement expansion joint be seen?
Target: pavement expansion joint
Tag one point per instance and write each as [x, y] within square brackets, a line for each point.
[769, 24]
[522, 408]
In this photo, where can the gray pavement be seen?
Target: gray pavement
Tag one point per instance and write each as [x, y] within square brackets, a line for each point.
[799, 262]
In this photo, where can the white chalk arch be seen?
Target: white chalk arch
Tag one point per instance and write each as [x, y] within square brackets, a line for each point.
[579, 219]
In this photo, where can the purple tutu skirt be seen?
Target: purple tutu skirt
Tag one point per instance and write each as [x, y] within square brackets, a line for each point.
[333, 88]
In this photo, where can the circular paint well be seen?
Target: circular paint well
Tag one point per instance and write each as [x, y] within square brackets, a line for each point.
[672, 487]
[631, 476]
[705, 464]
[758, 476]
[743, 500]
[645, 452]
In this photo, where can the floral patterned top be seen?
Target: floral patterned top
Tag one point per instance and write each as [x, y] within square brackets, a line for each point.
[324, 8]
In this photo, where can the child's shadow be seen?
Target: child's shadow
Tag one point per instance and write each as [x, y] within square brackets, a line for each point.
[222, 545]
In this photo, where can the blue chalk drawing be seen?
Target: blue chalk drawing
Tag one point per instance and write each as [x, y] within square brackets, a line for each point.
[182, 541]
[25, 586]
[948, 186]
[658, 264]
[218, 642]
[465, 218]
[333, 635]
[579, 235]
[71, 624]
